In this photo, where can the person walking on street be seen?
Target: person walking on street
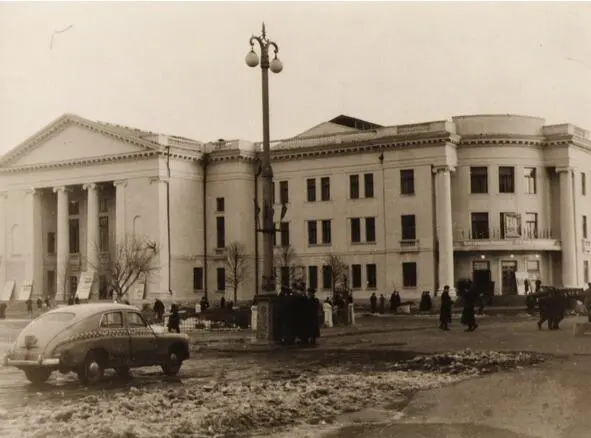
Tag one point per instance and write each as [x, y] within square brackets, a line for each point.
[373, 301]
[394, 301]
[468, 315]
[174, 319]
[382, 304]
[445, 310]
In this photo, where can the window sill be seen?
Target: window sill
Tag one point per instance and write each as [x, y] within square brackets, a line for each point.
[313, 245]
[363, 243]
[408, 195]
[409, 287]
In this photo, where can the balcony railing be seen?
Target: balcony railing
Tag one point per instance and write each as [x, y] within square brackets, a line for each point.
[496, 239]
[409, 245]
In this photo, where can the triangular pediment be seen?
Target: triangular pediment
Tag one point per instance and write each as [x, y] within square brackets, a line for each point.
[71, 138]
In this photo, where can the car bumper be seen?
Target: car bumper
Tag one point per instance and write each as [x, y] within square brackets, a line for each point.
[47, 362]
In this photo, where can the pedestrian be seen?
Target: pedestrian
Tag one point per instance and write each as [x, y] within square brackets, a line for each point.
[158, 310]
[544, 307]
[313, 316]
[382, 304]
[70, 301]
[468, 315]
[30, 306]
[530, 301]
[223, 302]
[39, 303]
[394, 301]
[76, 300]
[174, 319]
[327, 308]
[204, 303]
[373, 301]
[445, 309]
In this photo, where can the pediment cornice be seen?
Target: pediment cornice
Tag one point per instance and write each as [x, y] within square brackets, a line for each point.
[69, 120]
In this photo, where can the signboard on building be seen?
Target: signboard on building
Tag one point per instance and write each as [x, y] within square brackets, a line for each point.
[512, 225]
[26, 291]
[85, 285]
[138, 289]
[520, 278]
[7, 291]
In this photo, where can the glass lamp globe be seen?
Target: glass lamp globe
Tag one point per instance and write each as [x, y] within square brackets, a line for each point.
[252, 59]
[276, 66]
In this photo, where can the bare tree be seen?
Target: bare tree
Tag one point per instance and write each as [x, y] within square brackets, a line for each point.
[236, 266]
[339, 272]
[285, 259]
[133, 258]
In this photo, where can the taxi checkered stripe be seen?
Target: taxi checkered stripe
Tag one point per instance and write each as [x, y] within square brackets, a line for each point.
[109, 333]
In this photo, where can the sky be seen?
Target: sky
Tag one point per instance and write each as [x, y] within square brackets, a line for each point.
[178, 68]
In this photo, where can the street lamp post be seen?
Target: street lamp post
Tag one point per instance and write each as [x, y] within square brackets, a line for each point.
[268, 228]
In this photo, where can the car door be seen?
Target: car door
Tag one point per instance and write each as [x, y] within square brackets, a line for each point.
[143, 340]
[115, 338]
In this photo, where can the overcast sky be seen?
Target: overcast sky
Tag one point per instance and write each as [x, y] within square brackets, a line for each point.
[179, 68]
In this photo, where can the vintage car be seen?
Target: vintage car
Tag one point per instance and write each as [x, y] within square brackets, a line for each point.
[89, 338]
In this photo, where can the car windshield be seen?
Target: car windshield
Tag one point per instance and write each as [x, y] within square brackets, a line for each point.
[45, 327]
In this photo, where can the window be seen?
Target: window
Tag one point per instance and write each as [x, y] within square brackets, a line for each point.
[529, 180]
[407, 182]
[220, 205]
[356, 276]
[355, 230]
[313, 277]
[368, 184]
[220, 225]
[103, 205]
[50, 283]
[73, 208]
[104, 234]
[506, 179]
[73, 285]
[312, 233]
[583, 184]
[533, 266]
[478, 180]
[311, 189]
[326, 237]
[409, 274]
[197, 278]
[584, 226]
[284, 232]
[221, 279]
[283, 192]
[586, 271]
[135, 320]
[325, 189]
[408, 227]
[371, 274]
[531, 225]
[74, 232]
[510, 225]
[370, 229]
[353, 186]
[51, 242]
[326, 277]
[480, 228]
[111, 320]
[284, 276]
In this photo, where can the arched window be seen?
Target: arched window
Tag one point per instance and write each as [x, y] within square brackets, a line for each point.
[15, 240]
[138, 226]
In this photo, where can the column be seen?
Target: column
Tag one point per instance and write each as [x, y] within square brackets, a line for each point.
[162, 212]
[120, 210]
[567, 227]
[444, 220]
[63, 242]
[34, 239]
[92, 234]
[3, 239]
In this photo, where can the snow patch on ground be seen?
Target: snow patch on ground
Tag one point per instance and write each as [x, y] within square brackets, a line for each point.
[223, 408]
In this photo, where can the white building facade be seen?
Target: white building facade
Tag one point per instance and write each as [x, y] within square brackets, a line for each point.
[409, 207]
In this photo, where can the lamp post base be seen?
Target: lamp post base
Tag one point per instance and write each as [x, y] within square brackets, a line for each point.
[265, 330]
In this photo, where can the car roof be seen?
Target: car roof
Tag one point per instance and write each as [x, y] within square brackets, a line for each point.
[89, 309]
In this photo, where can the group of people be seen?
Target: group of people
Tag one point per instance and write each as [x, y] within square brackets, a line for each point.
[297, 317]
[395, 302]
[470, 297]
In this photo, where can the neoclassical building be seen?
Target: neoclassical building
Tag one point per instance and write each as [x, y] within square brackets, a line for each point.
[411, 207]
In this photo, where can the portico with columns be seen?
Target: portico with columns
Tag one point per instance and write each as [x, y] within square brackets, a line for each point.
[444, 227]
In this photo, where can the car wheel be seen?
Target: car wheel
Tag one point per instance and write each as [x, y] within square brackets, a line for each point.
[93, 369]
[37, 376]
[173, 363]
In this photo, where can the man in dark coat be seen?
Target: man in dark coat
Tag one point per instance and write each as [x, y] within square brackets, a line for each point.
[382, 303]
[313, 316]
[394, 301]
[445, 309]
[468, 315]
[174, 319]
[373, 301]
[545, 304]
[158, 310]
